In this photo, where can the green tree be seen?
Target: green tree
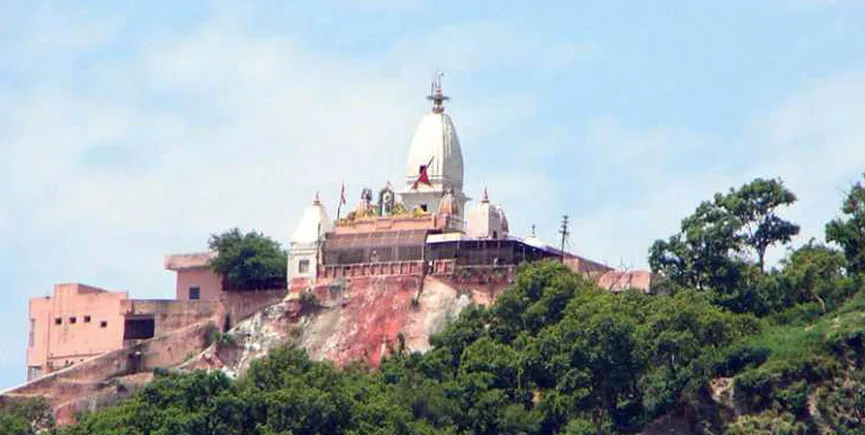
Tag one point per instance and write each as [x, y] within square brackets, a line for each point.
[849, 232]
[711, 250]
[700, 255]
[814, 273]
[14, 425]
[248, 261]
[25, 416]
[755, 205]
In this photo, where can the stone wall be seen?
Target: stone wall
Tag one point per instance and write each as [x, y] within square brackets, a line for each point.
[170, 314]
[238, 305]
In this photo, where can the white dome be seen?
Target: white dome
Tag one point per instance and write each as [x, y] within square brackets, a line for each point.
[435, 139]
[485, 220]
[313, 224]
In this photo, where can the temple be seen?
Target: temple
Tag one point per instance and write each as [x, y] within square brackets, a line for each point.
[422, 228]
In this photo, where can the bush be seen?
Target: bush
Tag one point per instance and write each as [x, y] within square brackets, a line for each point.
[309, 301]
[754, 390]
[211, 334]
[740, 357]
[227, 339]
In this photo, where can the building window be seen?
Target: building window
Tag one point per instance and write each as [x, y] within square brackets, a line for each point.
[73, 320]
[33, 372]
[32, 331]
[103, 324]
[423, 207]
[140, 328]
[58, 321]
[303, 266]
[86, 319]
[194, 293]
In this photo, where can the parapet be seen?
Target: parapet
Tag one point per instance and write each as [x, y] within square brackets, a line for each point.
[177, 262]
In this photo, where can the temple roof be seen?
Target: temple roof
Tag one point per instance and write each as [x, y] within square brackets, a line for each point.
[313, 224]
[435, 143]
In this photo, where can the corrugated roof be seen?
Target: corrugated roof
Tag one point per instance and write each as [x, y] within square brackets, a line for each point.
[377, 238]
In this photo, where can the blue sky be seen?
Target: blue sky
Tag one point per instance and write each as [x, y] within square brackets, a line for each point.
[130, 130]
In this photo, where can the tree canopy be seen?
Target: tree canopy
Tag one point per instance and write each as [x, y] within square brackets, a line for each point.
[849, 232]
[249, 261]
[722, 245]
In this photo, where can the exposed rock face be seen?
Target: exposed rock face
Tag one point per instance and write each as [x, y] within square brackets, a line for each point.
[358, 320]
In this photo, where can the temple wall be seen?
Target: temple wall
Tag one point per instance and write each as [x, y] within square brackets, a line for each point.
[371, 269]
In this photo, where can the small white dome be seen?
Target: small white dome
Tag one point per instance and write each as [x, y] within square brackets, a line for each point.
[314, 222]
[501, 212]
[435, 143]
[485, 220]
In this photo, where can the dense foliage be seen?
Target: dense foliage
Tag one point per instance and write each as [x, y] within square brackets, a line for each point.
[850, 232]
[728, 348]
[248, 261]
[25, 417]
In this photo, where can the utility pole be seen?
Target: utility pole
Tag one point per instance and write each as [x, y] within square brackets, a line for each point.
[564, 232]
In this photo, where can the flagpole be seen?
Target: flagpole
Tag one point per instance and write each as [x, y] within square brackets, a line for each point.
[341, 201]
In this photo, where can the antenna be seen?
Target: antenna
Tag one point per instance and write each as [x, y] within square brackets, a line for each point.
[564, 232]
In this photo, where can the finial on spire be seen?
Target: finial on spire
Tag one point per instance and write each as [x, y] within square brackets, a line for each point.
[533, 230]
[486, 197]
[316, 200]
[436, 95]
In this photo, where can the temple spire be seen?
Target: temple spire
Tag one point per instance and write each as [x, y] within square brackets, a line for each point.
[436, 95]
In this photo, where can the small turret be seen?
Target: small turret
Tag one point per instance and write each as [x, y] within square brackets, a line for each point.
[306, 240]
[487, 221]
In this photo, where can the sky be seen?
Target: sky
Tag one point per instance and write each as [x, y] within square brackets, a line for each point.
[130, 130]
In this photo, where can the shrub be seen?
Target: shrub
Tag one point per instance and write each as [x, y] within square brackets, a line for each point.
[211, 334]
[309, 301]
[753, 390]
[739, 357]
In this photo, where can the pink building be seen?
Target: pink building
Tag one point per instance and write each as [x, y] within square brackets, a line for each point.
[79, 322]
[76, 323]
[195, 280]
